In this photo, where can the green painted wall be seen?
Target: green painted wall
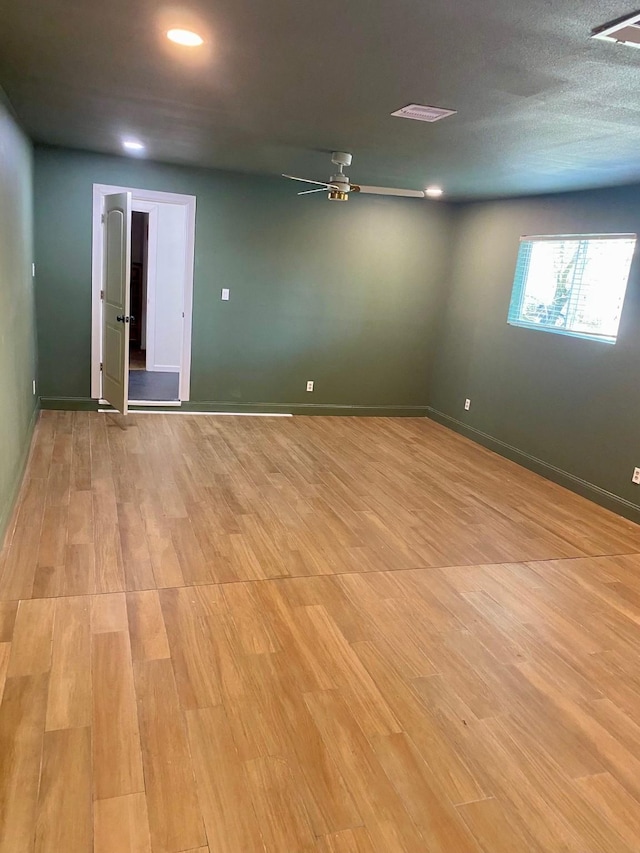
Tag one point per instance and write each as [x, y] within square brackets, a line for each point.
[17, 339]
[389, 305]
[571, 403]
[345, 294]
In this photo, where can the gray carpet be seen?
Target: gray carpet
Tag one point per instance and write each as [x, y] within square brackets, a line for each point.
[148, 385]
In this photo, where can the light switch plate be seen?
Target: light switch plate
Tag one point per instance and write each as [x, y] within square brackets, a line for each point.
[225, 294]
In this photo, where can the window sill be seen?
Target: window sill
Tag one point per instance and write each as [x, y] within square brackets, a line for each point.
[585, 336]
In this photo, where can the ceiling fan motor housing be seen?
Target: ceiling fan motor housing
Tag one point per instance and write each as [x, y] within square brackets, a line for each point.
[341, 182]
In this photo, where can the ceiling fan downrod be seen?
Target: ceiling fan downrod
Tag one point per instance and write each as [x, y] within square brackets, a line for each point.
[340, 159]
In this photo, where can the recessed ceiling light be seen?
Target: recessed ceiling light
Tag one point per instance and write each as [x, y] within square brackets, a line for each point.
[132, 145]
[185, 37]
[434, 192]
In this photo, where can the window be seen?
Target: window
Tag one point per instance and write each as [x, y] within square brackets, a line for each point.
[572, 285]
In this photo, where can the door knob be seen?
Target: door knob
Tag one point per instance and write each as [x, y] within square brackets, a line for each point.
[120, 318]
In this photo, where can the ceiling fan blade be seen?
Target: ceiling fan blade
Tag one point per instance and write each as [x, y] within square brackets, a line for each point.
[307, 181]
[391, 191]
[319, 190]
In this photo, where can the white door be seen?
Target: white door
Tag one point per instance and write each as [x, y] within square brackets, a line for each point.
[115, 305]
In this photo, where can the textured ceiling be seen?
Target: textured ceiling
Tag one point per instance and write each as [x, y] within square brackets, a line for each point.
[280, 82]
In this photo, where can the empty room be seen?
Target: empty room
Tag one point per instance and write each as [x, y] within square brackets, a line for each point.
[319, 448]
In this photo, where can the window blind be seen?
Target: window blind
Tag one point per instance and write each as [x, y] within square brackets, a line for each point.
[572, 284]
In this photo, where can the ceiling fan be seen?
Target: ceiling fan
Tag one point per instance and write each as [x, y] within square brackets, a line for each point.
[339, 186]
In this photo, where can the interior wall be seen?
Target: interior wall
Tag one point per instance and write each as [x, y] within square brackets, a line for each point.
[17, 339]
[166, 296]
[346, 295]
[568, 407]
[382, 308]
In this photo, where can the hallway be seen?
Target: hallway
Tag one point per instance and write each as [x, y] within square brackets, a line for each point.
[153, 385]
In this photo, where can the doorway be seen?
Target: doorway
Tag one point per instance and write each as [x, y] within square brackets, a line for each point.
[146, 381]
[158, 256]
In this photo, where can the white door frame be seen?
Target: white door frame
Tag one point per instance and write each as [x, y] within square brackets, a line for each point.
[141, 201]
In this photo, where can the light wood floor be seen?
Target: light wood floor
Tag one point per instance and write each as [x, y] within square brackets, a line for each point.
[228, 635]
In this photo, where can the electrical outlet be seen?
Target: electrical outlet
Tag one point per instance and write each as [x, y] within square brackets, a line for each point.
[310, 385]
[636, 476]
[225, 294]
[34, 387]
[467, 404]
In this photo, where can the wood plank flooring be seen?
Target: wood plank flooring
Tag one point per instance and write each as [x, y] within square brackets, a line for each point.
[325, 635]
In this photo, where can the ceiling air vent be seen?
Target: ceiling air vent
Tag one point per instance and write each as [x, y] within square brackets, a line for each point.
[420, 113]
[625, 31]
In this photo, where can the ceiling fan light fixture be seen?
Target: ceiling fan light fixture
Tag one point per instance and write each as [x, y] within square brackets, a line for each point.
[338, 195]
